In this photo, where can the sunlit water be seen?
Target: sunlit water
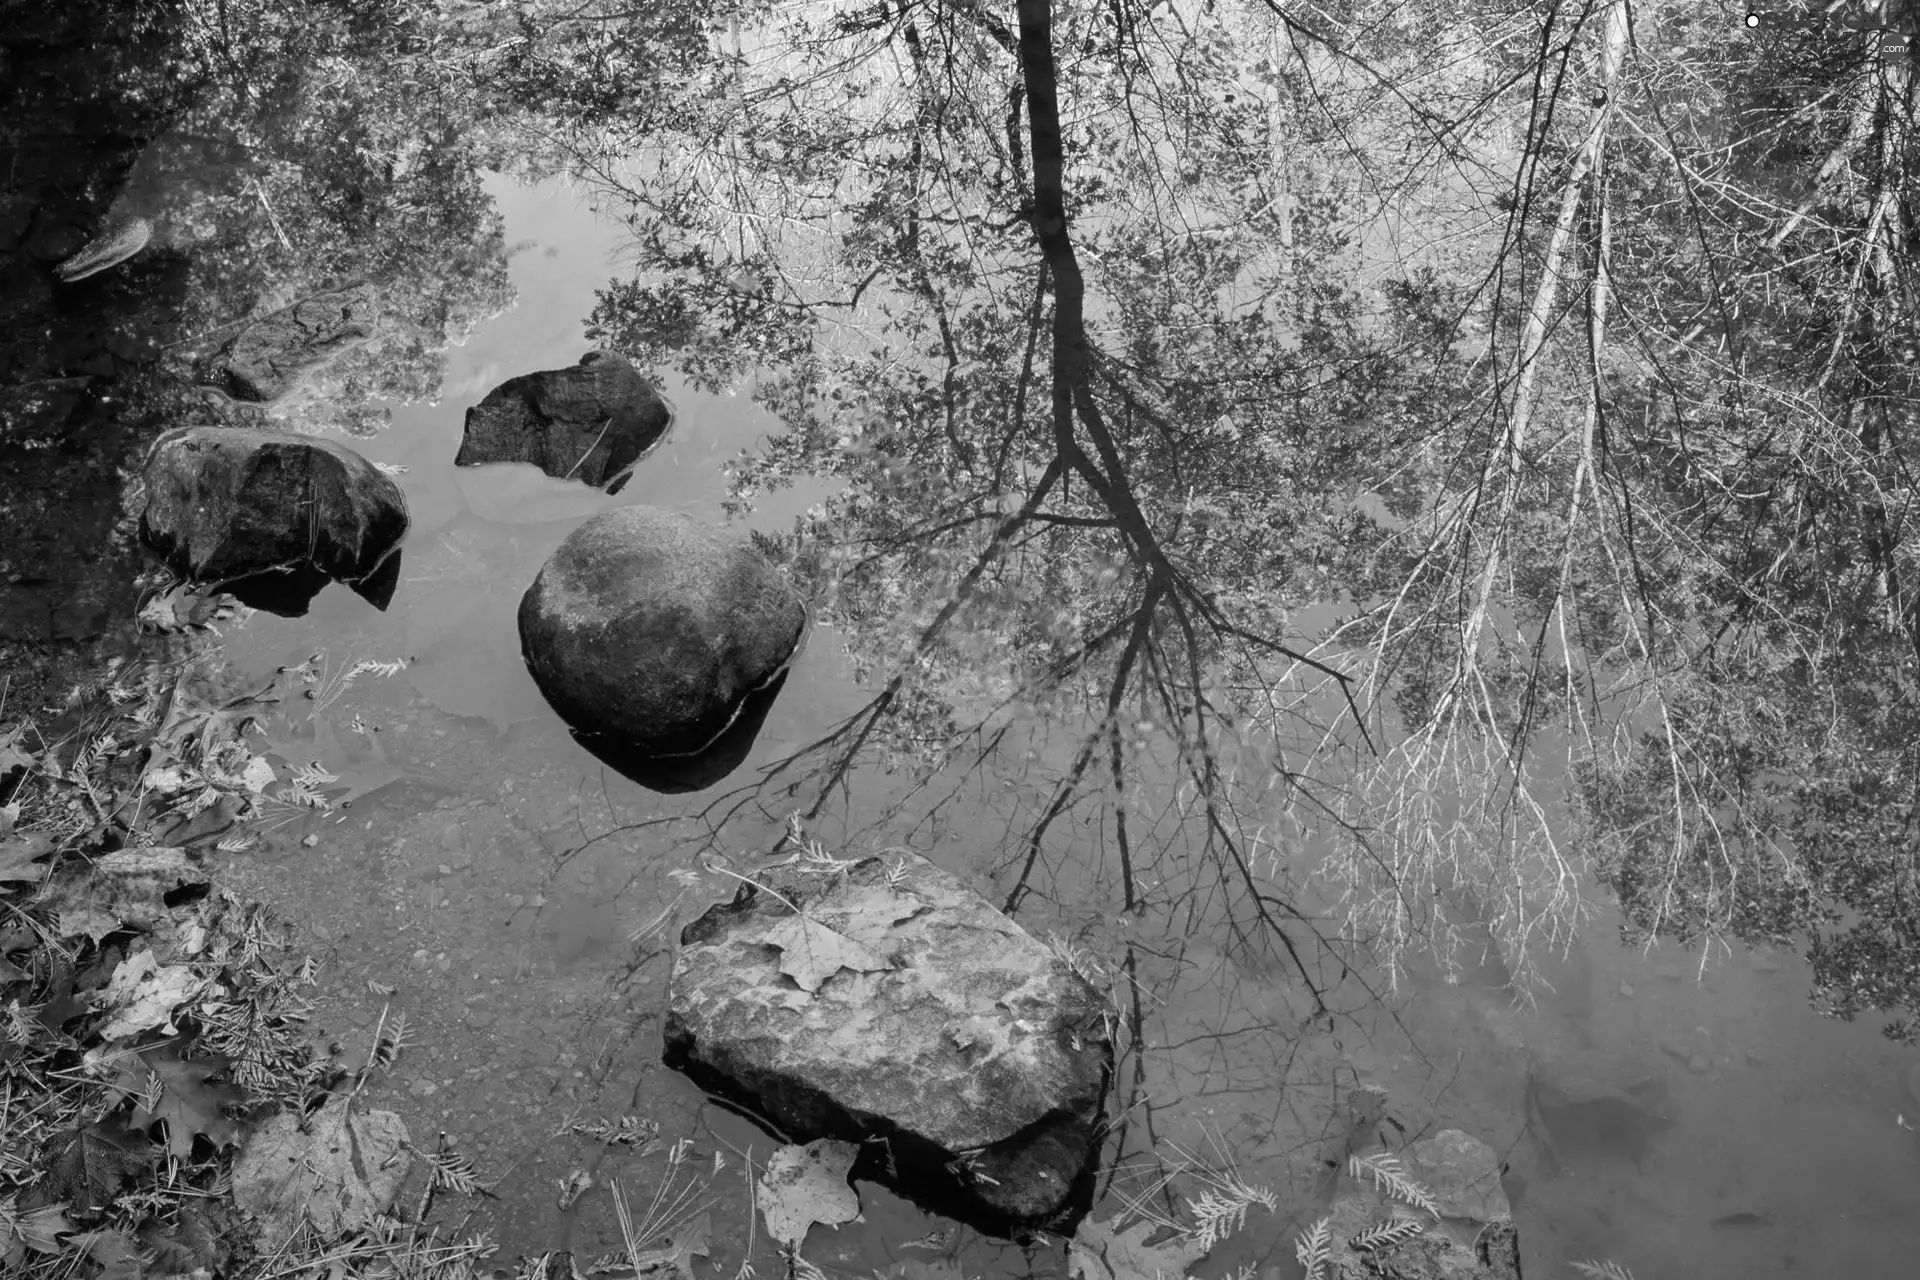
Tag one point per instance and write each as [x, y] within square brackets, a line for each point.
[487, 889]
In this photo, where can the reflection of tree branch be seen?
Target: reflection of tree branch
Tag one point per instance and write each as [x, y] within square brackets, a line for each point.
[1063, 792]
[962, 593]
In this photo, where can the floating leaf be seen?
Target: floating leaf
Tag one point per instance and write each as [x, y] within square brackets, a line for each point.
[1098, 1252]
[810, 952]
[803, 1185]
[338, 1174]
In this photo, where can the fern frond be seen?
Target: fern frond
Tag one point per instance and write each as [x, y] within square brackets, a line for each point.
[1599, 1270]
[236, 844]
[1314, 1249]
[389, 1042]
[454, 1171]
[1391, 1178]
[1385, 1234]
[1219, 1212]
[313, 775]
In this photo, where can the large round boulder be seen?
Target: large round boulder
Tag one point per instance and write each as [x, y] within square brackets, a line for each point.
[653, 631]
[271, 516]
[590, 423]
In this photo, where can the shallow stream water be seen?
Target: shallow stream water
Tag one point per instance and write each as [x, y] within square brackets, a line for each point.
[519, 896]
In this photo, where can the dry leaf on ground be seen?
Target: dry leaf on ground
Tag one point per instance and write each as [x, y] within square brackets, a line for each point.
[348, 1168]
[90, 1165]
[17, 854]
[191, 1101]
[144, 994]
[1097, 1252]
[810, 953]
[24, 1229]
[803, 1185]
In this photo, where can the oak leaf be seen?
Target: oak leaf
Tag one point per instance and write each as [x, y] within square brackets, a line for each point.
[1098, 1252]
[191, 1101]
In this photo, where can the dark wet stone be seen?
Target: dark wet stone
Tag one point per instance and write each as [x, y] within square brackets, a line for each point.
[271, 517]
[649, 632]
[265, 359]
[589, 423]
[1590, 1104]
[964, 1038]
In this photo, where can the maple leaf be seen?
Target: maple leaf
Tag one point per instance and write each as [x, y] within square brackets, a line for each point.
[89, 1164]
[17, 855]
[1098, 1252]
[810, 952]
[337, 1171]
[353, 776]
[803, 1185]
[144, 994]
[191, 1101]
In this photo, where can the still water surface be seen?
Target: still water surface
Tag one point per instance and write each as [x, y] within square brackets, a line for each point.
[501, 884]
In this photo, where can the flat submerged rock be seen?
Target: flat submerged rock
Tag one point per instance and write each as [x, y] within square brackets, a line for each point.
[898, 1004]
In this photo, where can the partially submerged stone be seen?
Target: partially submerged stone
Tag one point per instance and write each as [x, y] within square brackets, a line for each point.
[271, 516]
[656, 636]
[590, 423]
[898, 1009]
[269, 355]
[1434, 1210]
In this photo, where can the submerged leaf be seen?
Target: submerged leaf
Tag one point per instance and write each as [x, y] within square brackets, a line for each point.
[803, 1185]
[338, 1174]
[1098, 1252]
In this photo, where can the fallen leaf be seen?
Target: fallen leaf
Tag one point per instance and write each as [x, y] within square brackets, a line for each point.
[115, 1252]
[144, 994]
[17, 854]
[673, 1251]
[338, 1174]
[810, 952]
[36, 1229]
[1097, 1252]
[90, 1164]
[189, 1247]
[125, 888]
[803, 1185]
[924, 1269]
[191, 1101]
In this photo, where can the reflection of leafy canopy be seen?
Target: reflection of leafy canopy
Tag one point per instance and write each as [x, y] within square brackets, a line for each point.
[1609, 460]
